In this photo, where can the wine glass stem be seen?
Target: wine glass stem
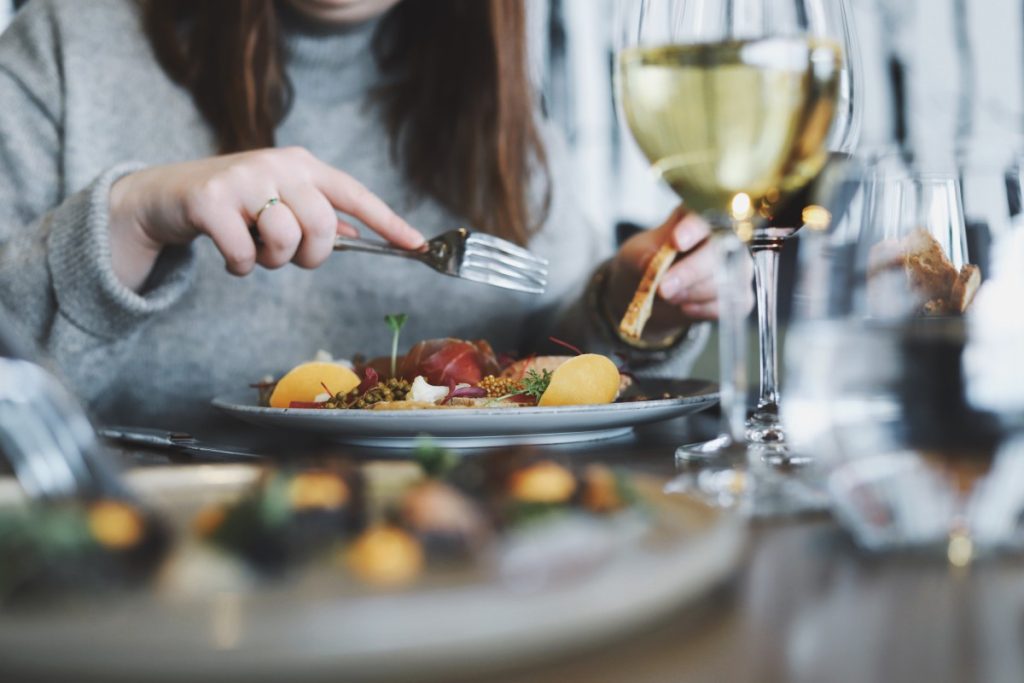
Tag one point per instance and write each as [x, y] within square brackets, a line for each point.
[731, 284]
[766, 284]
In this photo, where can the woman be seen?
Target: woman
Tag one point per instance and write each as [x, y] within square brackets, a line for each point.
[140, 143]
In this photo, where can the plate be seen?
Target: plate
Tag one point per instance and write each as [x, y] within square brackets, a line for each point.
[313, 628]
[473, 427]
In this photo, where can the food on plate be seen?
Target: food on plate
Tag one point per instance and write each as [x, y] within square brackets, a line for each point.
[447, 373]
[542, 482]
[307, 382]
[387, 525]
[287, 516]
[604, 490]
[450, 523]
[385, 556]
[639, 310]
[584, 380]
[97, 546]
[518, 370]
[914, 275]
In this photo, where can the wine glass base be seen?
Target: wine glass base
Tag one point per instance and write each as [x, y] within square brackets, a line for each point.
[780, 456]
[713, 451]
[765, 427]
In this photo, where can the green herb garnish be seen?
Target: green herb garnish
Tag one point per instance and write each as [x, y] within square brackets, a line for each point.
[395, 321]
[533, 384]
[434, 460]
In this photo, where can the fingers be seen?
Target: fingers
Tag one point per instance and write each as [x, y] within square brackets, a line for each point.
[223, 197]
[689, 232]
[279, 235]
[318, 223]
[690, 278]
[232, 238]
[690, 283]
[350, 196]
[702, 311]
[346, 229]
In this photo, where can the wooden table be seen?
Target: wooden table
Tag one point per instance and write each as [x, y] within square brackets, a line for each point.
[806, 605]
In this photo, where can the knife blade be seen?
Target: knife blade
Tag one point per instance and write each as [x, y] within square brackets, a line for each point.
[171, 440]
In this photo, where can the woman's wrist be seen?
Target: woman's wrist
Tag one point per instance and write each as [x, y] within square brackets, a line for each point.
[132, 252]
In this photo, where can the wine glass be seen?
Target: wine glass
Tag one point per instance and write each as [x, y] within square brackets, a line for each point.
[733, 102]
[784, 219]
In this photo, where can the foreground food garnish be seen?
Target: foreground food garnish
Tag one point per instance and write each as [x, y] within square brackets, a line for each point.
[384, 525]
[92, 546]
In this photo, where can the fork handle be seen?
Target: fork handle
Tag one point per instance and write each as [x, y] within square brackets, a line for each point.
[369, 247]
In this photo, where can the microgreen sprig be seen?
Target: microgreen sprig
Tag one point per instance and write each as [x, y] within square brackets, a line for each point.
[395, 321]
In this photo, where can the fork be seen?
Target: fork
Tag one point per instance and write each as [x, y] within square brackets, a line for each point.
[470, 256]
[48, 441]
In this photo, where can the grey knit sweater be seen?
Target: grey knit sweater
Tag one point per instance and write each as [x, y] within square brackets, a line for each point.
[83, 101]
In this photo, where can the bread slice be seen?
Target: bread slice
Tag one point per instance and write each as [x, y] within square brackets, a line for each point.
[930, 272]
[965, 287]
[639, 310]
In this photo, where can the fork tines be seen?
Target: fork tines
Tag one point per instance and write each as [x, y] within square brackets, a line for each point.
[494, 261]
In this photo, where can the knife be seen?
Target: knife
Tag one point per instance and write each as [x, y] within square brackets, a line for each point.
[178, 441]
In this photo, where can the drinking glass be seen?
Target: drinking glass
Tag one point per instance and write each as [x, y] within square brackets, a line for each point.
[733, 102]
[875, 360]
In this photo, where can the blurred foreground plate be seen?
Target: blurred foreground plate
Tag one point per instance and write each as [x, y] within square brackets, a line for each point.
[474, 427]
[200, 623]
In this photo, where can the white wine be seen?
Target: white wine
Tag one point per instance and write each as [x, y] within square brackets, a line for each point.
[733, 127]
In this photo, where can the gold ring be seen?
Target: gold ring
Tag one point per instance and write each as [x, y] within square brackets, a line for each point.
[273, 201]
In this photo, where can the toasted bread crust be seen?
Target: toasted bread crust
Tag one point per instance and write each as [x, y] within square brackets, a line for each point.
[965, 287]
[639, 310]
[929, 276]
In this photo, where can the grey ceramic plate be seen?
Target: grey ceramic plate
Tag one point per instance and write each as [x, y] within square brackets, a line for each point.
[204, 622]
[473, 427]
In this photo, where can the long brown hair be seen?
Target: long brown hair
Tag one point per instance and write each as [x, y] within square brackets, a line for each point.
[457, 101]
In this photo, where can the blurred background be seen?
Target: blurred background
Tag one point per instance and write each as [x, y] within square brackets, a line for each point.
[965, 74]
[963, 69]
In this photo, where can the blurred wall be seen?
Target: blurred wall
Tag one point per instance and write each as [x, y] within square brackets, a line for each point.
[573, 60]
[953, 49]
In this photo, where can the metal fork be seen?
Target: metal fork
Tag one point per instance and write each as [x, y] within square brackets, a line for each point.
[48, 440]
[470, 256]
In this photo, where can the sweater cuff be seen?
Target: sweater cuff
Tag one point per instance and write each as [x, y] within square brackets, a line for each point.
[87, 290]
[672, 357]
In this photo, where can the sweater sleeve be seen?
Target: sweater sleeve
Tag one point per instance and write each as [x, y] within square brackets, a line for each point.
[56, 274]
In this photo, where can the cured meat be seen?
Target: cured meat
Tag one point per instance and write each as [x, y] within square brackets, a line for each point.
[443, 362]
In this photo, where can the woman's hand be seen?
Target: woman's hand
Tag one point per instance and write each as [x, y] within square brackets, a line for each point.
[222, 197]
[688, 292]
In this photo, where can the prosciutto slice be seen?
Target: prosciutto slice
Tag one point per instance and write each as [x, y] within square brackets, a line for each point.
[446, 361]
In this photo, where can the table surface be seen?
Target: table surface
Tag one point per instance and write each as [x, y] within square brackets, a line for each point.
[805, 605]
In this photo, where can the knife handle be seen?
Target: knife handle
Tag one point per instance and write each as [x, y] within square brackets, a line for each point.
[145, 436]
